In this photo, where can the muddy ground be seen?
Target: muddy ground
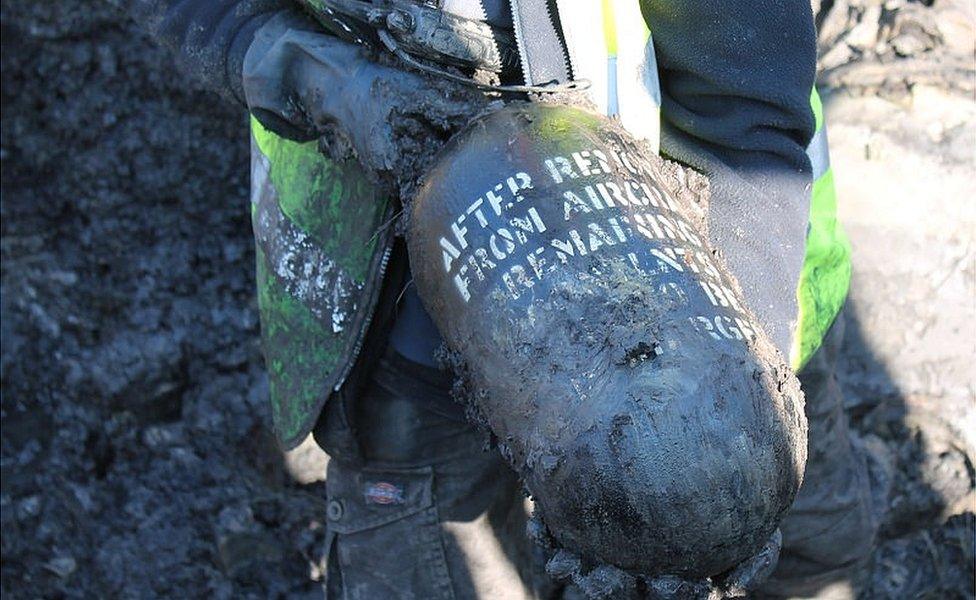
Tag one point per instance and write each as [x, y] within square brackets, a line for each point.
[136, 457]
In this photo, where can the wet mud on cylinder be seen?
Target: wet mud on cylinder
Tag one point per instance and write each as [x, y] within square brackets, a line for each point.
[652, 420]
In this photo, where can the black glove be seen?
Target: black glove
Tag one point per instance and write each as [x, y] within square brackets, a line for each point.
[302, 83]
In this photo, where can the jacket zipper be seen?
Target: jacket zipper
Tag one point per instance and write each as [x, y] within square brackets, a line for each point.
[520, 30]
[361, 338]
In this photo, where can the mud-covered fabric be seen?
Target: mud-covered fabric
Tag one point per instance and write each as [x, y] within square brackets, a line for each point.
[830, 529]
[320, 250]
[303, 83]
[425, 511]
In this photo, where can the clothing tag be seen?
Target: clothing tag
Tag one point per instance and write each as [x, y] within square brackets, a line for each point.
[382, 492]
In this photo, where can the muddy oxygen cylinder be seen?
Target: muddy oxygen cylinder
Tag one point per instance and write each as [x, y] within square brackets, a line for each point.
[651, 419]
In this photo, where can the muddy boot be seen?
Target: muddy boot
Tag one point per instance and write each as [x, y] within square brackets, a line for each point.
[607, 348]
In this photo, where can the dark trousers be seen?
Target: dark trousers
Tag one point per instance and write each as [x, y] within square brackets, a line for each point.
[425, 511]
[831, 527]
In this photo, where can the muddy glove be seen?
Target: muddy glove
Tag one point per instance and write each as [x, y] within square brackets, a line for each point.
[302, 83]
[599, 582]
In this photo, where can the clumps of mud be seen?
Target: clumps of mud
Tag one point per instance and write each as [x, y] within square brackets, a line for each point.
[419, 135]
[424, 119]
[925, 546]
[600, 581]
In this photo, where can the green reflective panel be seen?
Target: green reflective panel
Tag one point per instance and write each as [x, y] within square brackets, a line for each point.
[333, 202]
[826, 274]
[299, 353]
[817, 107]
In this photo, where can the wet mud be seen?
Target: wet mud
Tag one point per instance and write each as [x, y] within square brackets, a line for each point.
[648, 440]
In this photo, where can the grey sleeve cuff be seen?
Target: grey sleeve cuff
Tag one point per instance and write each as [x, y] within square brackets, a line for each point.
[235, 54]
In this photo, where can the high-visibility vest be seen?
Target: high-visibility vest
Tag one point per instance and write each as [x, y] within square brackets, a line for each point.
[321, 249]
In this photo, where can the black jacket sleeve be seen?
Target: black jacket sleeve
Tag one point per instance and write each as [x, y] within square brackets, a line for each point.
[209, 37]
[736, 78]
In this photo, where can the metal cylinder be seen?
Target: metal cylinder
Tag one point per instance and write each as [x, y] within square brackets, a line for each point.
[650, 417]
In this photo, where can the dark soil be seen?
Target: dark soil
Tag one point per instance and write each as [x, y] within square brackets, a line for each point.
[136, 457]
[137, 460]
[886, 47]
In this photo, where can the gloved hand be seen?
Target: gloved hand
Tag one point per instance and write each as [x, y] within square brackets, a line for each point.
[599, 582]
[302, 83]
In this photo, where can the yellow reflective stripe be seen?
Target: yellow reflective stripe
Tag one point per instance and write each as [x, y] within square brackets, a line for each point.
[610, 41]
[609, 28]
